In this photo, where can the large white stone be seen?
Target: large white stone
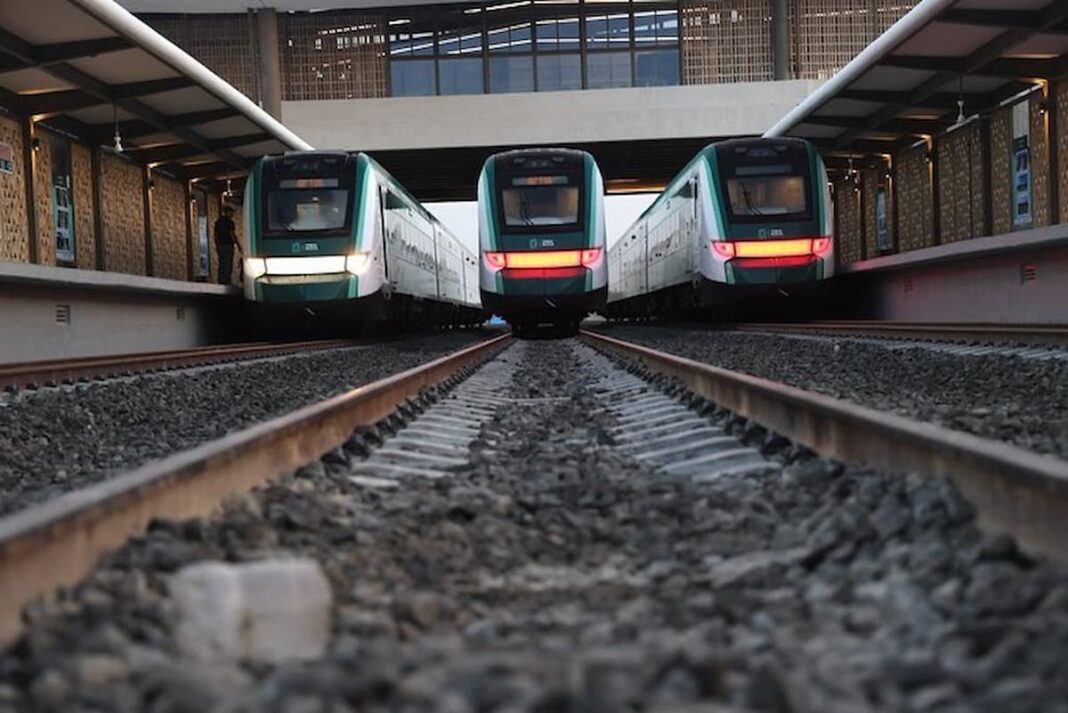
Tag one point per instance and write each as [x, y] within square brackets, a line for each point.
[271, 611]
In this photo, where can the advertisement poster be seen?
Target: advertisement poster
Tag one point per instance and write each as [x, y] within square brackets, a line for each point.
[7, 158]
[202, 241]
[881, 232]
[1021, 182]
[1021, 166]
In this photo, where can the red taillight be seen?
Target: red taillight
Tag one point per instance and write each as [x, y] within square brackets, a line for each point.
[543, 259]
[495, 259]
[769, 249]
[723, 249]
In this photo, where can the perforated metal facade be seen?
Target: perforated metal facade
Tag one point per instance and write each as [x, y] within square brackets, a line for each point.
[224, 43]
[725, 41]
[333, 55]
[827, 34]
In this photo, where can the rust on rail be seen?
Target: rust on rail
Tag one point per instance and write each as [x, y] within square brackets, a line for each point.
[58, 542]
[1012, 490]
[58, 371]
[1037, 334]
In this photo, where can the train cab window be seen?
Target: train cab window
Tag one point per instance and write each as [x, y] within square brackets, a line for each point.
[292, 209]
[538, 201]
[766, 182]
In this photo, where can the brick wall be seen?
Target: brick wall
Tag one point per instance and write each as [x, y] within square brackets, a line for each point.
[871, 180]
[168, 228]
[847, 222]
[42, 198]
[916, 212]
[1040, 190]
[81, 164]
[963, 196]
[1000, 170]
[213, 215]
[14, 245]
[123, 215]
[1059, 103]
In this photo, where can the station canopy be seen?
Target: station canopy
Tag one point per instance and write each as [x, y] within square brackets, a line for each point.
[91, 69]
[907, 85]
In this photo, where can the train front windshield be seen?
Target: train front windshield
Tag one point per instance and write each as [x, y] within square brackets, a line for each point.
[538, 201]
[308, 195]
[766, 182]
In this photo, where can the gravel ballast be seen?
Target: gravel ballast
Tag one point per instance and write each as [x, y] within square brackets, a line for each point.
[57, 440]
[1013, 399]
[552, 573]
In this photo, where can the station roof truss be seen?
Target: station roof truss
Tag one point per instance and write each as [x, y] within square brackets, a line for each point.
[90, 69]
[908, 85]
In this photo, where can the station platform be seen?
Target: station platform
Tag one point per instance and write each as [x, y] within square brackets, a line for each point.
[55, 313]
[1019, 277]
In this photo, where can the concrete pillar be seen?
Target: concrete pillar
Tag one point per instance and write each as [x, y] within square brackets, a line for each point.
[780, 39]
[270, 62]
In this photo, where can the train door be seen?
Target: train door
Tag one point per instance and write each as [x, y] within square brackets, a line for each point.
[382, 236]
[435, 235]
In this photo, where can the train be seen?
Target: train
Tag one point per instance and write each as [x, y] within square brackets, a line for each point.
[747, 224]
[331, 237]
[541, 226]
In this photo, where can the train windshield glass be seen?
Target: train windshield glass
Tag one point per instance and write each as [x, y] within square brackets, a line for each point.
[307, 209]
[766, 182]
[538, 201]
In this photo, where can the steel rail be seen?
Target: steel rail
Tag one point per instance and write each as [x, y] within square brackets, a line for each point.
[58, 371]
[58, 542]
[1013, 490]
[1037, 334]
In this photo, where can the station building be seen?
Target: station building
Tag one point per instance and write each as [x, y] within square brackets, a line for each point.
[432, 89]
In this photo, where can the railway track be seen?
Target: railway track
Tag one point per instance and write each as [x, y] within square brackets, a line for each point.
[990, 335]
[53, 372]
[664, 418]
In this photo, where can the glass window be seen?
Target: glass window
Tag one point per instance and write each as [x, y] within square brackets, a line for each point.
[655, 68]
[411, 36]
[460, 76]
[608, 69]
[559, 72]
[412, 78]
[511, 74]
[460, 31]
[765, 179]
[509, 27]
[540, 205]
[767, 195]
[607, 28]
[307, 209]
[557, 26]
[656, 27]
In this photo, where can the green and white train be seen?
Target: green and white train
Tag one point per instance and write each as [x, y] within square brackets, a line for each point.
[331, 236]
[746, 222]
[542, 236]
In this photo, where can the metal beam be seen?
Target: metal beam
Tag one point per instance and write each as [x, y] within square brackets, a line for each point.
[895, 126]
[1002, 19]
[138, 128]
[179, 151]
[1010, 68]
[1051, 16]
[18, 48]
[44, 55]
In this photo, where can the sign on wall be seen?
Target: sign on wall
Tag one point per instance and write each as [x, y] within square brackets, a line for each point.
[881, 232]
[7, 158]
[1021, 165]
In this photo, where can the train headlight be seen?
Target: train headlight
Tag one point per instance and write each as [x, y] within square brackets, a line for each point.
[255, 267]
[357, 263]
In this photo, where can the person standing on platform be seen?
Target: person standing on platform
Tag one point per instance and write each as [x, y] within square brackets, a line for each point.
[225, 242]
